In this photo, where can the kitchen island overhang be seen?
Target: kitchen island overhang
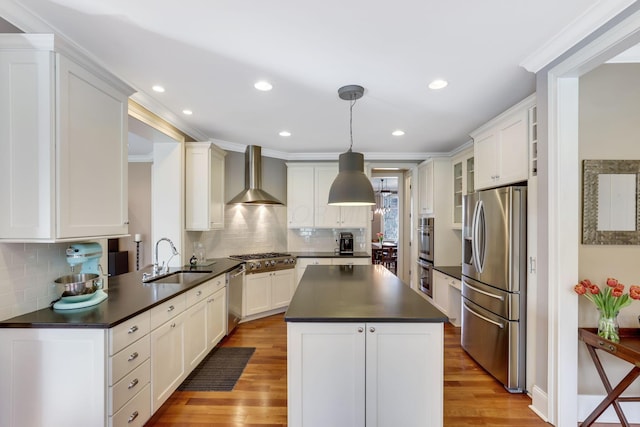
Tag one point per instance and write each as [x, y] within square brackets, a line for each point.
[363, 349]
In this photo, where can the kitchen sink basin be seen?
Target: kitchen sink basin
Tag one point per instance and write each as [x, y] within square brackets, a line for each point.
[178, 277]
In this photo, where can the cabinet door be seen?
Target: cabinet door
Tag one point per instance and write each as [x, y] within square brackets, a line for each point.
[216, 196]
[512, 153]
[300, 199]
[327, 388]
[197, 182]
[282, 287]
[325, 215]
[196, 334]
[92, 155]
[257, 293]
[216, 317]
[167, 359]
[441, 291]
[425, 187]
[484, 152]
[409, 354]
[27, 145]
[354, 216]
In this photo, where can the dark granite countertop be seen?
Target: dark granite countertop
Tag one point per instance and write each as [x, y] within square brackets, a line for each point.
[359, 293]
[329, 255]
[453, 271]
[128, 297]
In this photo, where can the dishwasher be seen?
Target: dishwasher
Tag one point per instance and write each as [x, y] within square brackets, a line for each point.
[235, 279]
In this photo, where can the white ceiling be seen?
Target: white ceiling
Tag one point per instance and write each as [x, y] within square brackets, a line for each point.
[208, 54]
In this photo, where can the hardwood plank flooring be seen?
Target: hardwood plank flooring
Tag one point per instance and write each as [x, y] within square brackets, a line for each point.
[471, 396]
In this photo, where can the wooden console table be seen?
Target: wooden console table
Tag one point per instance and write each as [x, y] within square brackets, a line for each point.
[627, 349]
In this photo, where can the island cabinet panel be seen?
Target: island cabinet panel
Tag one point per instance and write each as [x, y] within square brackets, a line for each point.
[365, 373]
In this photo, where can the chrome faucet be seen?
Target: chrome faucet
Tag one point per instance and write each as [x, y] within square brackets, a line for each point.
[161, 269]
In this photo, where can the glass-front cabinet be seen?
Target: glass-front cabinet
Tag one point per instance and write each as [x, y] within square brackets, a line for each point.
[463, 182]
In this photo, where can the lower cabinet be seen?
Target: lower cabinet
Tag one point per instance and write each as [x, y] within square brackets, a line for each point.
[447, 296]
[357, 374]
[302, 263]
[267, 291]
[122, 374]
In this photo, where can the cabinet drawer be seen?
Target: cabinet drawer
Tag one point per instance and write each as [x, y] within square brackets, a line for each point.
[136, 412]
[167, 310]
[131, 357]
[351, 261]
[199, 293]
[304, 262]
[128, 332]
[219, 282]
[129, 386]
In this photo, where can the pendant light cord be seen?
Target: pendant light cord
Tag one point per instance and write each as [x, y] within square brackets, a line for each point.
[353, 102]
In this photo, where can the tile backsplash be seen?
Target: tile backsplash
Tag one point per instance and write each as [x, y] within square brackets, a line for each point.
[27, 272]
[323, 239]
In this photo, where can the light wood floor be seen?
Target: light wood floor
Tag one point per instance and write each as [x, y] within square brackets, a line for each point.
[471, 396]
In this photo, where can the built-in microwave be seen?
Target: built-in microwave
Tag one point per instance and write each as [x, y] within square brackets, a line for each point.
[425, 238]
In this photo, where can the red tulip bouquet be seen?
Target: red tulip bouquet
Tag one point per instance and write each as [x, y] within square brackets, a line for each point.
[608, 302]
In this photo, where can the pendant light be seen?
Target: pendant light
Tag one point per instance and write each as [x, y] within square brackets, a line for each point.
[351, 187]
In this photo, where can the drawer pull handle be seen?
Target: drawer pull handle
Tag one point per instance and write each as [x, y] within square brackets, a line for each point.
[173, 325]
[199, 293]
[132, 417]
[211, 300]
[133, 356]
[133, 383]
[171, 308]
[132, 329]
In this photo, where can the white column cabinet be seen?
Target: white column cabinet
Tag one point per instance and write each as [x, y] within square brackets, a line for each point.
[204, 186]
[66, 142]
[501, 148]
[356, 383]
[425, 188]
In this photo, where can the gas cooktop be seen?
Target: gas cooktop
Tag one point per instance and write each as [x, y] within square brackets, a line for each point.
[267, 261]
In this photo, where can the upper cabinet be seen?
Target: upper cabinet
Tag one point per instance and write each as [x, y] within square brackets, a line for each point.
[425, 188]
[501, 147]
[463, 182]
[308, 187]
[63, 135]
[204, 186]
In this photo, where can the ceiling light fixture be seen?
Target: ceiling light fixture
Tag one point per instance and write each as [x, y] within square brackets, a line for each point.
[187, 112]
[263, 86]
[397, 132]
[438, 84]
[158, 88]
[351, 187]
[285, 133]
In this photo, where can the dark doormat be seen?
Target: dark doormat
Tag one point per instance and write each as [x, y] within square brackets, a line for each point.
[219, 370]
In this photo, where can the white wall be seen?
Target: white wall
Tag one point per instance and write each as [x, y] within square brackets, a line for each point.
[609, 129]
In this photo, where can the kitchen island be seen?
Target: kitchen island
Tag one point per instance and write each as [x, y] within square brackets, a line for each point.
[363, 349]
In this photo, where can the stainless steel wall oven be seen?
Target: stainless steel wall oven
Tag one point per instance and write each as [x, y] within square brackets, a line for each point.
[425, 255]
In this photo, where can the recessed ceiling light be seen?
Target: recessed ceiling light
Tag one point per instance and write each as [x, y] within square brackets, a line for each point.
[187, 112]
[285, 133]
[158, 88]
[397, 132]
[438, 84]
[263, 85]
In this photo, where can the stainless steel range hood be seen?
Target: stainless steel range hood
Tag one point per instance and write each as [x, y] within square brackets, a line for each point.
[253, 194]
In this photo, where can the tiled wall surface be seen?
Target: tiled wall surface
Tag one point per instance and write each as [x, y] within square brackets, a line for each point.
[323, 239]
[27, 272]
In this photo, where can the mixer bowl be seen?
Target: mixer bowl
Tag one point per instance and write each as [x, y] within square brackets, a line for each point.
[78, 287]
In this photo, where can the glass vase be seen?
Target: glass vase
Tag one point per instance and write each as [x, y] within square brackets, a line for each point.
[608, 327]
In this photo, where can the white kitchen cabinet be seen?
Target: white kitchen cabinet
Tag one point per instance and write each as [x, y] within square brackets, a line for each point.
[463, 182]
[376, 374]
[308, 186]
[268, 291]
[300, 196]
[425, 188]
[446, 296]
[204, 186]
[501, 148]
[216, 317]
[66, 144]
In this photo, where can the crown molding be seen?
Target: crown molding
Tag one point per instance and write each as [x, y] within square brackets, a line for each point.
[592, 19]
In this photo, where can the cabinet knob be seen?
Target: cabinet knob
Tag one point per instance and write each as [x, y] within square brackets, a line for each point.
[132, 329]
[211, 300]
[171, 308]
[133, 383]
[173, 325]
[360, 329]
[198, 293]
[132, 417]
[133, 356]
[372, 329]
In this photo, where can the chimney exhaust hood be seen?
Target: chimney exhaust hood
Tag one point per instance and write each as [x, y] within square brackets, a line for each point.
[253, 194]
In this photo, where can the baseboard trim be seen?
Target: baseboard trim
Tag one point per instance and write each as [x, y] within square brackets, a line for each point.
[540, 403]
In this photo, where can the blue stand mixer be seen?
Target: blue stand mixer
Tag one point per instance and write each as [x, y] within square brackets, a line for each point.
[83, 289]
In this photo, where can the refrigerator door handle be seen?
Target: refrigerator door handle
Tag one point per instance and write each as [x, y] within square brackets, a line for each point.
[489, 294]
[477, 235]
[499, 325]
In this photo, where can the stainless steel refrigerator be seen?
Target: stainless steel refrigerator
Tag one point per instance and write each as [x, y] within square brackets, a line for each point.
[494, 252]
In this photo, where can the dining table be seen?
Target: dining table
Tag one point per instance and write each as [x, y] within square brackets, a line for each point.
[377, 250]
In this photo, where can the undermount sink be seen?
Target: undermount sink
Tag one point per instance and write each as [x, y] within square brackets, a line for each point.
[177, 277]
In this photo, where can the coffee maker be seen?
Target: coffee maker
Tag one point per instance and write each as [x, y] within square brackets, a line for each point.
[346, 243]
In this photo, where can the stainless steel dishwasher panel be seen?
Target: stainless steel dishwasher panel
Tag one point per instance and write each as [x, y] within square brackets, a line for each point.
[235, 283]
